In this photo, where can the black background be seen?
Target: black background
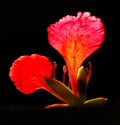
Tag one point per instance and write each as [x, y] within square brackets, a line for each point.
[24, 32]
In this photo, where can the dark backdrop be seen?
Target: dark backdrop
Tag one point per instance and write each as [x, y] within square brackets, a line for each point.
[24, 31]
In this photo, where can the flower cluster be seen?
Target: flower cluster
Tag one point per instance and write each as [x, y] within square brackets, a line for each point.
[75, 38]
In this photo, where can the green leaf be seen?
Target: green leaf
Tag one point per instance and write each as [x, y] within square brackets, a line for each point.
[58, 105]
[100, 101]
[61, 91]
[82, 84]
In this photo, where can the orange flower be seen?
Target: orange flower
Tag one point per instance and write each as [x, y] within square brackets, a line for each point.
[75, 38]
[27, 72]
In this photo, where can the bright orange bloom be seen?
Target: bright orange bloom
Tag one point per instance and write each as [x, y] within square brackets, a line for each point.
[75, 38]
[27, 72]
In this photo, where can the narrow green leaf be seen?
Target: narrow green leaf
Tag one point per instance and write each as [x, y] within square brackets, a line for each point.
[100, 101]
[58, 105]
[82, 84]
[61, 91]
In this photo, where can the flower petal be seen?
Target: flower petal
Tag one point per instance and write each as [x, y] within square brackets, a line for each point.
[27, 71]
[75, 38]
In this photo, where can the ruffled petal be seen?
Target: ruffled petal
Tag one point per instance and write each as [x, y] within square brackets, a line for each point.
[27, 72]
[75, 38]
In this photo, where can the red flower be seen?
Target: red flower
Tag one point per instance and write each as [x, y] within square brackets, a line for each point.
[27, 72]
[75, 38]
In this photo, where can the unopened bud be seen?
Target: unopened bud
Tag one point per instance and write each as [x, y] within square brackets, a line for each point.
[64, 69]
